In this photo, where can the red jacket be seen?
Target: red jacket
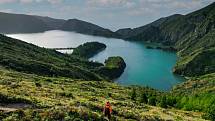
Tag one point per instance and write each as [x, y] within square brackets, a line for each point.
[108, 106]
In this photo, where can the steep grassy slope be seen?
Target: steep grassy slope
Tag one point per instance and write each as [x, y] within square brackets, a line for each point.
[199, 44]
[195, 85]
[193, 35]
[29, 58]
[198, 93]
[54, 99]
[197, 63]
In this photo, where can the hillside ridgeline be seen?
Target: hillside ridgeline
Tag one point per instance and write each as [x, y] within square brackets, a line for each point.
[192, 35]
[28, 58]
[20, 23]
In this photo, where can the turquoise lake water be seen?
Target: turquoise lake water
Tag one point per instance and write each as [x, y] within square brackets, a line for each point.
[145, 67]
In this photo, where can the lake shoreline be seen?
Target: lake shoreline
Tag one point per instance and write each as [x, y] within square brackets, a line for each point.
[145, 67]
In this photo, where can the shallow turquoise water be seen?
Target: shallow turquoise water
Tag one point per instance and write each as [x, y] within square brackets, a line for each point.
[145, 67]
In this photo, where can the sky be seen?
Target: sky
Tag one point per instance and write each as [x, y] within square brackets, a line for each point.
[111, 14]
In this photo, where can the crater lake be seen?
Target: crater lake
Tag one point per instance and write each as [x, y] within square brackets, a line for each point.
[145, 67]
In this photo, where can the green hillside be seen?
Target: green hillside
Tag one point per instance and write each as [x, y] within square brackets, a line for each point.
[36, 98]
[28, 58]
[193, 35]
[42, 84]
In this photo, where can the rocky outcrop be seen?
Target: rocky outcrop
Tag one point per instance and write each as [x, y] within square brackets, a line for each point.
[114, 67]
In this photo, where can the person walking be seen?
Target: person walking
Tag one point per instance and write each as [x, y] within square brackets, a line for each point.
[107, 110]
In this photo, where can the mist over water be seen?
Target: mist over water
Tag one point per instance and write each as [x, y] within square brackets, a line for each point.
[145, 67]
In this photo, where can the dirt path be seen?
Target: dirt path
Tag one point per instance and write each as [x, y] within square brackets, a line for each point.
[13, 107]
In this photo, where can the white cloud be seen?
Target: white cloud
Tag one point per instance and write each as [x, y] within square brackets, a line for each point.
[112, 3]
[7, 1]
[39, 1]
[55, 1]
[26, 1]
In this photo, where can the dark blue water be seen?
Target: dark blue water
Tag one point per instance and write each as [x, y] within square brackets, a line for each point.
[145, 67]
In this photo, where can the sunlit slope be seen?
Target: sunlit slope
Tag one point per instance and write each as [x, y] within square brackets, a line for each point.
[67, 99]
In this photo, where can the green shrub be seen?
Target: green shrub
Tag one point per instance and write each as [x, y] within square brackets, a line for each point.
[133, 94]
[38, 84]
[152, 101]
[163, 102]
[144, 98]
[210, 114]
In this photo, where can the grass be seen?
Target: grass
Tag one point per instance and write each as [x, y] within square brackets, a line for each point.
[65, 98]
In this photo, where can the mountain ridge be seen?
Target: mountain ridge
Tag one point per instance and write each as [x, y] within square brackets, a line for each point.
[189, 34]
[22, 23]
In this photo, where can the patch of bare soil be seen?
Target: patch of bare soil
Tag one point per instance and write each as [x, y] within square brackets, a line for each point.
[13, 107]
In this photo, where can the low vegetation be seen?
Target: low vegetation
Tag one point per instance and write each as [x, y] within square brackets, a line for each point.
[28, 58]
[28, 92]
[66, 99]
[192, 35]
[114, 67]
[89, 49]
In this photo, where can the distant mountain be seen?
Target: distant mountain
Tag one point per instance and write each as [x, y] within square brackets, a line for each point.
[51, 22]
[20, 23]
[193, 35]
[144, 33]
[87, 28]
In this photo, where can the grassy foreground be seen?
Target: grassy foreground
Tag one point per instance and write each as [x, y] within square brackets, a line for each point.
[46, 98]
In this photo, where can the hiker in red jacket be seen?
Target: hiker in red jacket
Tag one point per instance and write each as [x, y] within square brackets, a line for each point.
[108, 110]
